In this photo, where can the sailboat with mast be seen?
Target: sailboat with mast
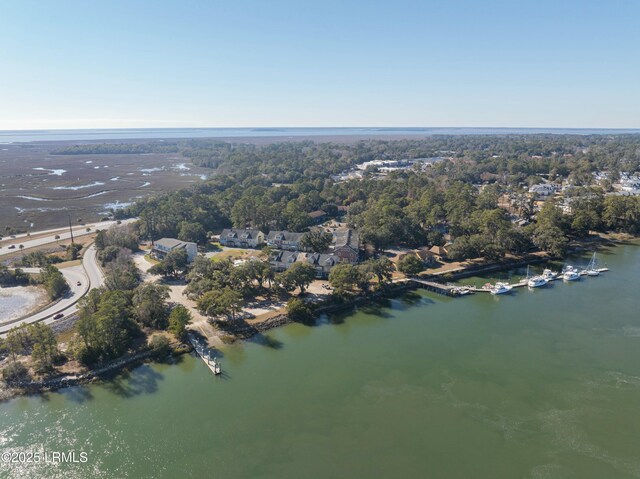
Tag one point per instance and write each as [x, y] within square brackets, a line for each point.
[592, 267]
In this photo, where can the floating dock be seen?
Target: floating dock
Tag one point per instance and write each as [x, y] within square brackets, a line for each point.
[205, 354]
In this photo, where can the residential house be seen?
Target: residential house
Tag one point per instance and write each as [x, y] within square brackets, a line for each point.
[424, 254]
[241, 238]
[283, 260]
[440, 252]
[284, 240]
[346, 245]
[164, 246]
[323, 263]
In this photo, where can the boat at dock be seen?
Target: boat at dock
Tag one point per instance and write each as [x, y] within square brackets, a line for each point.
[501, 288]
[461, 290]
[592, 267]
[536, 281]
[549, 275]
[570, 274]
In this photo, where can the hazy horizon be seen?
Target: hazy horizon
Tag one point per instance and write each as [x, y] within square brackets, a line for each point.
[287, 133]
[87, 65]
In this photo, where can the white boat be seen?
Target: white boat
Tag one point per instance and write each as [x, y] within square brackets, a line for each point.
[462, 290]
[501, 288]
[549, 275]
[570, 274]
[537, 282]
[592, 267]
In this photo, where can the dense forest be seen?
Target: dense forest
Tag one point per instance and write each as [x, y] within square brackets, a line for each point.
[276, 186]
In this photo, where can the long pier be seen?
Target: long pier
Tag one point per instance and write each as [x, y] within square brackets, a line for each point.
[451, 290]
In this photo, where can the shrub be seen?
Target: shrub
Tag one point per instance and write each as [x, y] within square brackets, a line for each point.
[15, 372]
[159, 344]
[298, 310]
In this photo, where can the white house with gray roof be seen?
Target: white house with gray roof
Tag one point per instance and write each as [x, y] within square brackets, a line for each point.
[164, 246]
[285, 240]
[241, 238]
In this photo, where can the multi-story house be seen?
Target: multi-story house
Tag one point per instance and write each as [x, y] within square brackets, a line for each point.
[346, 245]
[164, 246]
[284, 240]
[241, 238]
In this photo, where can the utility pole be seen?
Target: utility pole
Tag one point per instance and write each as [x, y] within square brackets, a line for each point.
[70, 229]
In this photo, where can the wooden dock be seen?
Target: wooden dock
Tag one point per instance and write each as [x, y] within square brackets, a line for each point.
[432, 286]
[205, 354]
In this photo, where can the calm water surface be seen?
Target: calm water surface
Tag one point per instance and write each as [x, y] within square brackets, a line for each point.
[539, 384]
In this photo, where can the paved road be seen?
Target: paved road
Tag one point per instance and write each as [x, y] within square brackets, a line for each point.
[66, 306]
[50, 236]
[92, 268]
[88, 275]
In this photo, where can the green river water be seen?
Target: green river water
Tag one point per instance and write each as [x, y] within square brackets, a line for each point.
[538, 384]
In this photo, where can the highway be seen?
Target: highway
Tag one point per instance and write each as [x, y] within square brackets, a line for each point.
[50, 236]
[89, 274]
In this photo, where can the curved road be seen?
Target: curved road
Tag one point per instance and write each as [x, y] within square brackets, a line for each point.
[88, 274]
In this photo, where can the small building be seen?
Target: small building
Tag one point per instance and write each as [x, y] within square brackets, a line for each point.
[241, 238]
[440, 252]
[318, 216]
[427, 257]
[423, 254]
[284, 240]
[346, 245]
[164, 246]
[544, 189]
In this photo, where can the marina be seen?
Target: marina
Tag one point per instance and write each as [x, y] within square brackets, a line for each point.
[569, 273]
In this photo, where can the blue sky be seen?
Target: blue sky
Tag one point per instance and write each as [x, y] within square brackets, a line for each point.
[234, 63]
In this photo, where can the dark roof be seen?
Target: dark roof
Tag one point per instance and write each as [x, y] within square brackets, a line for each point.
[316, 259]
[284, 236]
[170, 243]
[282, 256]
[317, 214]
[346, 237]
[233, 233]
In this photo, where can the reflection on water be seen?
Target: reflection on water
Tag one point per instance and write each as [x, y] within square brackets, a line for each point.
[542, 384]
